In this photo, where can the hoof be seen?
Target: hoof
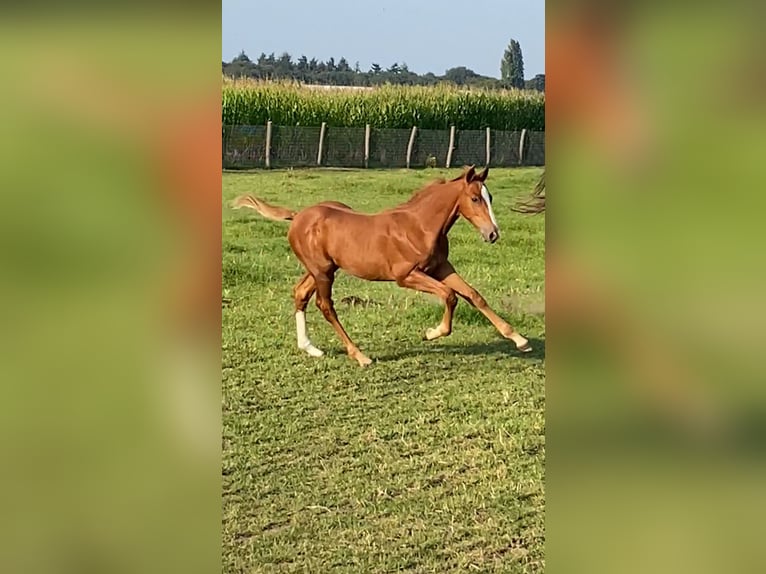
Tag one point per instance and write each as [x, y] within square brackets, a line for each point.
[432, 334]
[312, 350]
[363, 361]
[526, 348]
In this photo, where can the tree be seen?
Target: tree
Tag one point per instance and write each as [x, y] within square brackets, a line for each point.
[512, 65]
[265, 66]
[242, 57]
[241, 66]
[284, 65]
[341, 73]
[536, 83]
[460, 75]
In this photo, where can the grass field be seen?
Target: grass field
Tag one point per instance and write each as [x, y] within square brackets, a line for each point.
[429, 460]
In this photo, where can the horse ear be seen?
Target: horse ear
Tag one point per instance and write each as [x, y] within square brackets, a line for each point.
[470, 174]
[483, 175]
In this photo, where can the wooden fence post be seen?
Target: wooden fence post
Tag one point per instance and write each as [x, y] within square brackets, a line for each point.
[268, 144]
[409, 145]
[522, 140]
[487, 147]
[321, 143]
[366, 145]
[451, 146]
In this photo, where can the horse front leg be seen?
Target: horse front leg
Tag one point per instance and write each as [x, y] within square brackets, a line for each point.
[449, 277]
[419, 281]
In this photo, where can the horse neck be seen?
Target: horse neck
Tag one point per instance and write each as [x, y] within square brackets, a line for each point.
[436, 206]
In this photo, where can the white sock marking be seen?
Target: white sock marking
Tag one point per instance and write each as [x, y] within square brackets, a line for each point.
[303, 341]
[485, 195]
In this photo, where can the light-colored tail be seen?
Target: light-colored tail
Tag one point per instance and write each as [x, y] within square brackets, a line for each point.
[535, 203]
[268, 211]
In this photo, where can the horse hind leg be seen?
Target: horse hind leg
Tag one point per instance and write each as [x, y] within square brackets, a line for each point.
[325, 304]
[302, 292]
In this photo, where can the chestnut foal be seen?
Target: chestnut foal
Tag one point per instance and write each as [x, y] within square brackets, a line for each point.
[407, 244]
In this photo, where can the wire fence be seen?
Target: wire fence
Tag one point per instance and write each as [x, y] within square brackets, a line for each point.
[272, 146]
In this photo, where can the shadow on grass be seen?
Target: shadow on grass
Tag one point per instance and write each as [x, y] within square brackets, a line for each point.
[497, 347]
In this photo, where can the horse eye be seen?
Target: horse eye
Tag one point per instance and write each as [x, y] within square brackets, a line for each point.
[474, 199]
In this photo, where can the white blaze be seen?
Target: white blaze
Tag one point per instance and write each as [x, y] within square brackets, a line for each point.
[303, 340]
[485, 195]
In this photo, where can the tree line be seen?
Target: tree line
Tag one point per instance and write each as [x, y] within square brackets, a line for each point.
[342, 73]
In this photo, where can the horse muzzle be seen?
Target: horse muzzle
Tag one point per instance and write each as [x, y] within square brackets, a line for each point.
[490, 234]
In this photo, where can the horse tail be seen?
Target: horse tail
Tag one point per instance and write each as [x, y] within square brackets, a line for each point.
[268, 211]
[535, 203]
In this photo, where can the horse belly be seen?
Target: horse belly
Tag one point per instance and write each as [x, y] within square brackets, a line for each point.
[362, 264]
[361, 254]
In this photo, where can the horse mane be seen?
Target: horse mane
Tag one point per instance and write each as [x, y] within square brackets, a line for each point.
[426, 189]
[423, 191]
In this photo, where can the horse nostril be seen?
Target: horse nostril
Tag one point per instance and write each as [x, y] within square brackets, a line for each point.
[493, 237]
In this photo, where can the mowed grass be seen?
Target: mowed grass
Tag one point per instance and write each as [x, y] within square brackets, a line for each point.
[429, 460]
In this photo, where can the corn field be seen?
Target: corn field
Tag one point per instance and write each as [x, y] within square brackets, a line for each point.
[248, 102]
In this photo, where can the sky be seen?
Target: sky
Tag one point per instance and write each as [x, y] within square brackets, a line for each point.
[427, 35]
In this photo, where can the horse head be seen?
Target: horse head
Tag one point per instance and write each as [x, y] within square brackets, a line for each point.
[475, 203]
